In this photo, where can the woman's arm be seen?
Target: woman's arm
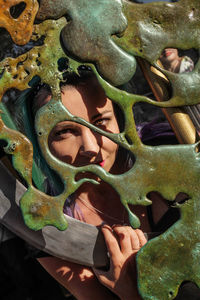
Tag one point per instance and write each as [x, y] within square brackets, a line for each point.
[77, 279]
[122, 243]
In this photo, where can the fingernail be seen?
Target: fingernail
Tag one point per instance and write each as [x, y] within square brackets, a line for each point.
[103, 223]
[116, 225]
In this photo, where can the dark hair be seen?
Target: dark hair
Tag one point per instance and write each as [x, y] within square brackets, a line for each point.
[42, 90]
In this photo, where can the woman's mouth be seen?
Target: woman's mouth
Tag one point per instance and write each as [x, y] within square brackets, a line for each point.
[168, 53]
[102, 163]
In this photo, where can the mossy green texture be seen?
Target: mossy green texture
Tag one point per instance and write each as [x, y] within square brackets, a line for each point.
[112, 34]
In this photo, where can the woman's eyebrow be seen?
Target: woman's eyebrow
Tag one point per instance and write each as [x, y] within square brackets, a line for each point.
[100, 114]
[64, 124]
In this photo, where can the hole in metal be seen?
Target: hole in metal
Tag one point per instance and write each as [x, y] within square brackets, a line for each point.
[128, 140]
[179, 61]
[17, 10]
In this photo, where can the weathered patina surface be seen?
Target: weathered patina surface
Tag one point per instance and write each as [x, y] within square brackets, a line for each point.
[112, 34]
[20, 27]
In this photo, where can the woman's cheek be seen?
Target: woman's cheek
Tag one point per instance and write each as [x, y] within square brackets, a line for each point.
[109, 152]
[62, 150]
[108, 145]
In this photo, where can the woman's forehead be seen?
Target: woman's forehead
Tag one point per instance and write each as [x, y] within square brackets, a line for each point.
[86, 100]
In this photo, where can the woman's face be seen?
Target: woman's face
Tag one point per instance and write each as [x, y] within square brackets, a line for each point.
[76, 144]
[169, 55]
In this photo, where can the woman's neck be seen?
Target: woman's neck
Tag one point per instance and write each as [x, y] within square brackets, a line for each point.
[100, 203]
[173, 66]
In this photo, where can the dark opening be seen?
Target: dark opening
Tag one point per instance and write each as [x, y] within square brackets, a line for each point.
[10, 49]
[171, 211]
[17, 10]
[188, 290]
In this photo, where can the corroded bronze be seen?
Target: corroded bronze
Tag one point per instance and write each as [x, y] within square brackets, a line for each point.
[156, 26]
[88, 34]
[20, 28]
[111, 35]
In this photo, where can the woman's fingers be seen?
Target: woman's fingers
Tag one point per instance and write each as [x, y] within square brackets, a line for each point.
[135, 242]
[141, 237]
[130, 240]
[122, 243]
[108, 277]
[122, 240]
[123, 234]
[111, 242]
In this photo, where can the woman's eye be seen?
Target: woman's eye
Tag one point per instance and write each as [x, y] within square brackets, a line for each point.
[64, 131]
[102, 122]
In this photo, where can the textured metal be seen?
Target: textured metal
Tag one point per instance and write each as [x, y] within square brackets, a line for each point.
[20, 28]
[112, 34]
[88, 34]
[81, 243]
[156, 26]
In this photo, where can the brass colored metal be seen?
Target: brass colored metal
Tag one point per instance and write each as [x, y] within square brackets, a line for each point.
[180, 121]
[18, 72]
[19, 28]
[182, 126]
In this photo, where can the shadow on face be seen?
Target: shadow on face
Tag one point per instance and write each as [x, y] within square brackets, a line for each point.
[76, 144]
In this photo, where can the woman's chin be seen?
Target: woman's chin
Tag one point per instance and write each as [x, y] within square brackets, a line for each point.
[88, 175]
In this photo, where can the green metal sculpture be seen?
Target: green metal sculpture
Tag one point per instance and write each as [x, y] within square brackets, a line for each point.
[113, 34]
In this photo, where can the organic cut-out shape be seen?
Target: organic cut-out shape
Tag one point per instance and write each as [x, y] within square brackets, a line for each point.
[18, 72]
[22, 157]
[88, 35]
[172, 61]
[173, 257]
[19, 28]
[165, 169]
[152, 27]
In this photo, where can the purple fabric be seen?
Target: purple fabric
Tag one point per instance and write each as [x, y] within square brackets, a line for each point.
[70, 207]
[67, 210]
[152, 130]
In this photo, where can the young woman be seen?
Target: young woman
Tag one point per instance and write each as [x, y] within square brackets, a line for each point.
[96, 204]
[173, 62]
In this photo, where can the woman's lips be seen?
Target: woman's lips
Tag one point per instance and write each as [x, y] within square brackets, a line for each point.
[102, 163]
[168, 53]
[99, 163]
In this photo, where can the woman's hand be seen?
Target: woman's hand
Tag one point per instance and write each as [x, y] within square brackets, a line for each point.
[122, 243]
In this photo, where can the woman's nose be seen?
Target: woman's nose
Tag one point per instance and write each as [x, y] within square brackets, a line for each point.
[90, 146]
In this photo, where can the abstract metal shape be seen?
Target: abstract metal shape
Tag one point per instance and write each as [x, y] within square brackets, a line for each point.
[88, 35]
[156, 26]
[64, 244]
[151, 28]
[20, 28]
[18, 72]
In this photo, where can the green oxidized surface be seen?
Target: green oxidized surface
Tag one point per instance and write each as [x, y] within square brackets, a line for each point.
[172, 257]
[156, 26]
[145, 31]
[88, 34]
